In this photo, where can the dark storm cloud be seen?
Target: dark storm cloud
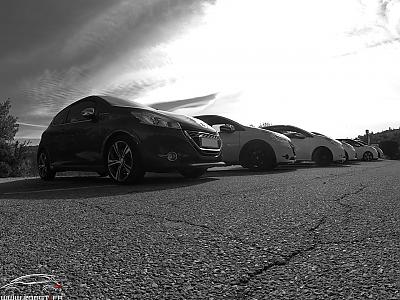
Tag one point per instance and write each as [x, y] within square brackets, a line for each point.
[54, 51]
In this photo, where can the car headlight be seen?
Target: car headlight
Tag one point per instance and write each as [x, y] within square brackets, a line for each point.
[155, 120]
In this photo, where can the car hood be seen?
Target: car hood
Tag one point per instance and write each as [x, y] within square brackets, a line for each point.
[188, 123]
[271, 134]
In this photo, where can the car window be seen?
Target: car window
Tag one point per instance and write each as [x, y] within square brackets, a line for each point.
[298, 130]
[353, 143]
[60, 118]
[75, 115]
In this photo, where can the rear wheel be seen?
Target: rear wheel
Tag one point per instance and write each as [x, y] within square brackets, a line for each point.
[257, 157]
[192, 172]
[322, 156]
[368, 156]
[43, 162]
[123, 163]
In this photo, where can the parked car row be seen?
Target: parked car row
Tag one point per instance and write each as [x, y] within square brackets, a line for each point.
[125, 139]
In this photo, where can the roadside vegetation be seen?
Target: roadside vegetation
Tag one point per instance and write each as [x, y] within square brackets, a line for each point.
[14, 155]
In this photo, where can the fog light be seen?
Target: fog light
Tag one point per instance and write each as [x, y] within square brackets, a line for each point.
[172, 156]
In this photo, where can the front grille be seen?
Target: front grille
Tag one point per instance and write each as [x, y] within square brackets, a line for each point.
[195, 136]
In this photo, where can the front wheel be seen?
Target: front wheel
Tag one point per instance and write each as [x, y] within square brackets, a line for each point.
[192, 172]
[257, 157]
[43, 162]
[368, 156]
[123, 163]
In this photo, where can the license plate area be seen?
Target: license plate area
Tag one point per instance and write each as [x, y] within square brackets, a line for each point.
[209, 143]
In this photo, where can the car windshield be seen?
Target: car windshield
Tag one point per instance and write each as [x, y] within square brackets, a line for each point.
[287, 130]
[353, 143]
[123, 102]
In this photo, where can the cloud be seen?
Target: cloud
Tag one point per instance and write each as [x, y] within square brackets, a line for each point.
[31, 125]
[196, 102]
[118, 52]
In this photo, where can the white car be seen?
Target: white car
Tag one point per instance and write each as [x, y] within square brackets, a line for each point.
[349, 150]
[376, 146]
[364, 152]
[312, 147]
[251, 147]
[380, 151]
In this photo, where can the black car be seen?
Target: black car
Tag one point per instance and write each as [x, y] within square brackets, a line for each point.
[124, 139]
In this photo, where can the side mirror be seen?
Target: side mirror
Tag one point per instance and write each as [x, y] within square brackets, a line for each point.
[227, 128]
[88, 113]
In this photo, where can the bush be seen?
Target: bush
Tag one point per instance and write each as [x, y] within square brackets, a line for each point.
[5, 169]
[390, 149]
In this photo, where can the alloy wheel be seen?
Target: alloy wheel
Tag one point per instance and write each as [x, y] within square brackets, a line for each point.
[120, 161]
[368, 156]
[257, 158]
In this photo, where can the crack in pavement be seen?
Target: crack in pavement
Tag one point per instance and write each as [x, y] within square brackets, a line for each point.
[278, 260]
[286, 259]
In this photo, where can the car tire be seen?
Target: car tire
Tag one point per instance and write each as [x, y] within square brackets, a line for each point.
[322, 156]
[258, 156]
[43, 163]
[192, 172]
[123, 162]
[367, 156]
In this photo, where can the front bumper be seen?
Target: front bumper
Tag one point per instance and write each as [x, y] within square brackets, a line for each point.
[173, 150]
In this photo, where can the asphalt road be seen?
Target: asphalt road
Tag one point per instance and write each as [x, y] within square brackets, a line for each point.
[295, 233]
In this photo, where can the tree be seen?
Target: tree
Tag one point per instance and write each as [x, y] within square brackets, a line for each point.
[264, 124]
[12, 153]
[8, 123]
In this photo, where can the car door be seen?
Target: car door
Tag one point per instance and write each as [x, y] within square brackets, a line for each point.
[83, 134]
[303, 145]
[230, 142]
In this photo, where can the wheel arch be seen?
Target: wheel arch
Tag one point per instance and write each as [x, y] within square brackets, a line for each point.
[367, 151]
[41, 148]
[320, 148]
[115, 134]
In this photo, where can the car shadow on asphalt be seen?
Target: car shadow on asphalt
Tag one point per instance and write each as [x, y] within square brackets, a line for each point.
[239, 171]
[81, 187]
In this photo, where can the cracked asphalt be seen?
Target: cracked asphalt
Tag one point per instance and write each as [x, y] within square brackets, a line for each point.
[294, 233]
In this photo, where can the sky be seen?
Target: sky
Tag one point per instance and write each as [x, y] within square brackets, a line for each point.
[330, 66]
